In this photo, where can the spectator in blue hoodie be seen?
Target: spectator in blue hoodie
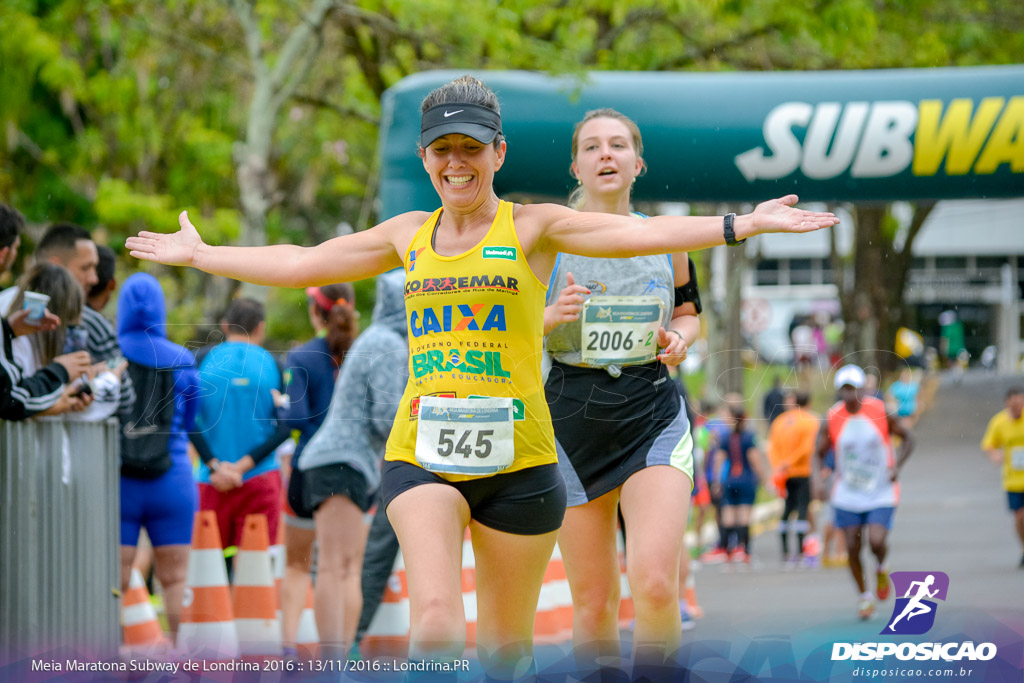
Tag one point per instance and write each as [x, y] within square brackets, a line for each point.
[158, 491]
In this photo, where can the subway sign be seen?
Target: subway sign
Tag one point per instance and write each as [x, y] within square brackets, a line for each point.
[885, 139]
[733, 137]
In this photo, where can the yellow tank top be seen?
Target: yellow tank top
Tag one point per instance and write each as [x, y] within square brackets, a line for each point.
[476, 324]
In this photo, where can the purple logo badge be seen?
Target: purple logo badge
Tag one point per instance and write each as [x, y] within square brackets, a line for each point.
[914, 611]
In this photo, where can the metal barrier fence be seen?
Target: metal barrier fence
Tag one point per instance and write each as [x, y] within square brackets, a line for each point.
[59, 538]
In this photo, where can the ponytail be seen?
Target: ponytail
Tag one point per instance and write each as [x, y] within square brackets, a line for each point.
[336, 307]
[342, 328]
[739, 414]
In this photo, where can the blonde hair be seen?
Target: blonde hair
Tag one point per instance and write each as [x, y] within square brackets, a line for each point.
[578, 196]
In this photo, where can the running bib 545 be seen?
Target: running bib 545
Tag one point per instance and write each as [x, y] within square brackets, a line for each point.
[620, 329]
[465, 436]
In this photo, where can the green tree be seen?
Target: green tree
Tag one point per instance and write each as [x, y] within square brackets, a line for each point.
[260, 116]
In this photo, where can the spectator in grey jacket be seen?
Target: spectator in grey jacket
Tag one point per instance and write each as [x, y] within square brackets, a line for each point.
[341, 464]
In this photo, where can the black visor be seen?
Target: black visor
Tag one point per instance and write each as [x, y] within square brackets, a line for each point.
[474, 120]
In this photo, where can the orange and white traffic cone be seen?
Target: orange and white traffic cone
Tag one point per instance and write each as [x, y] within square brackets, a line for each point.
[207, 628]
[695, 610]
[307, 639]
[141, 632]
[255, 602]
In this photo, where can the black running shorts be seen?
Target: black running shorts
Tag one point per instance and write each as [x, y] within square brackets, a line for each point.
[525, 502]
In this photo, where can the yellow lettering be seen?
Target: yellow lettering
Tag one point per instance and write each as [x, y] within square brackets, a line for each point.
[955, 136]
[1006, 146]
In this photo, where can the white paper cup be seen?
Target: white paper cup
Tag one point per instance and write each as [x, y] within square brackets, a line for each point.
[36, 303]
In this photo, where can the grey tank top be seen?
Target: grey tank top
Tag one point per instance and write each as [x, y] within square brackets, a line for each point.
[636, 276]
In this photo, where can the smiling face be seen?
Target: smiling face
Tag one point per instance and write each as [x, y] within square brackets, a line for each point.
[462, 170]
[606, 161]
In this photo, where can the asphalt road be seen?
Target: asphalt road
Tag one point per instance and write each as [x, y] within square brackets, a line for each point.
[952, 518]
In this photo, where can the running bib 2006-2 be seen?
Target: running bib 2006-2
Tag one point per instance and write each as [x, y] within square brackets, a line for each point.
[465, 436]
[620, 329]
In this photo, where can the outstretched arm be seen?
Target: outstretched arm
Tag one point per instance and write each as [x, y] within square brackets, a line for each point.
[612, 236]
[347, 258]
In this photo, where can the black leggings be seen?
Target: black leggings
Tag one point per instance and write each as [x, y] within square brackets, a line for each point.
[798, 498]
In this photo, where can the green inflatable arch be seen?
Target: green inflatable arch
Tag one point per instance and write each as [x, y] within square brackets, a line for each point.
[829, 135]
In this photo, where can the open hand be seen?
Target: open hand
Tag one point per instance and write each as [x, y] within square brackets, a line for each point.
[779, 215]
[175, 249]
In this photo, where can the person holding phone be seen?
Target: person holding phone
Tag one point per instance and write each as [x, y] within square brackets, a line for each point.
[21, 395]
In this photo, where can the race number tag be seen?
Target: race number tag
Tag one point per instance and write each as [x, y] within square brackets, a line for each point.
[1017, 458]
[620, 329]
[859, 479]
[465, 436]
[858, 473]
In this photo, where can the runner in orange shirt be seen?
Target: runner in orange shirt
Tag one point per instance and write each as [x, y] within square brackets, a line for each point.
[791, 445]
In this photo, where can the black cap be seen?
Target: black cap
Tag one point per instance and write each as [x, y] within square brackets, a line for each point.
[474, 120]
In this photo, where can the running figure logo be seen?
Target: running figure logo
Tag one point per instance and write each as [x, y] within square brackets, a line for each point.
[914, 613]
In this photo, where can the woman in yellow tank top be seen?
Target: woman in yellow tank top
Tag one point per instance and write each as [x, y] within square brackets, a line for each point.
[473, 267]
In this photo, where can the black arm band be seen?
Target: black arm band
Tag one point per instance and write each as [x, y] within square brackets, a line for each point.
[689, 293]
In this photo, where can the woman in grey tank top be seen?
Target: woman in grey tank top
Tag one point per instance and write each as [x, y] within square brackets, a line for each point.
[611, 326]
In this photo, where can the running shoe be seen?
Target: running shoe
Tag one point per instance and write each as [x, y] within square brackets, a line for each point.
[684, 613]
[811, 545]
[290, 656]
[834, 561]
[882, 588]
[716, 556]
[865, 607]
[739, 555]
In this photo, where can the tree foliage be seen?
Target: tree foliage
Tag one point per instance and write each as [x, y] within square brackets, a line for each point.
[118, 113]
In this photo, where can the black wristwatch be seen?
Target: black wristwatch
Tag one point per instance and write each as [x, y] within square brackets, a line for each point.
[730, 233]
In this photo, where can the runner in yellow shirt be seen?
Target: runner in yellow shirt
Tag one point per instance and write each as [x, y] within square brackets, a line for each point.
[1004, 443]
